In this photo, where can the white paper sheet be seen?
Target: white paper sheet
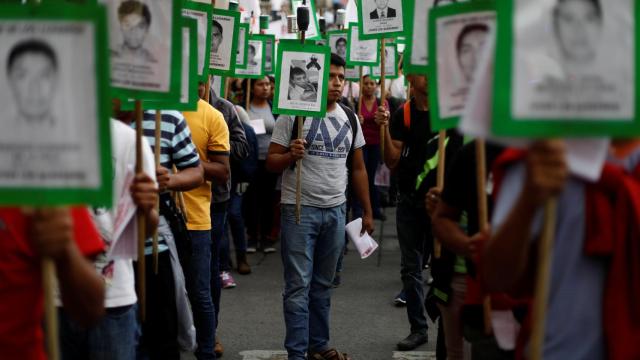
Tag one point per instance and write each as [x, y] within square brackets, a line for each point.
[258, 126]
[365, 243]
[505, 329]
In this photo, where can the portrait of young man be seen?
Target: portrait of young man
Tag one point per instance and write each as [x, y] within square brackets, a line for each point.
[469, 46]
[216, 36]
[134, 18]
[577, 26]
[300, 88]
[382, 10]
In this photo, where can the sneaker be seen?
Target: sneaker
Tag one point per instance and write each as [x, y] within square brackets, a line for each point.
[412, 341]
[252, 247]
[400, 299]
[268, 247]
[227, 280]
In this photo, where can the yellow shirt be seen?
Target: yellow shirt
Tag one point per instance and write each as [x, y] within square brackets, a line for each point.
[210, 135]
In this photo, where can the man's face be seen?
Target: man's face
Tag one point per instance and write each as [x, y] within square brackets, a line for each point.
[216, 38]
[578, 26]
[336, 83]
[134, 29]
[300, 80]
[382, 4]
[341, 48]
[201, 89]
[469, 52]
[33, 79]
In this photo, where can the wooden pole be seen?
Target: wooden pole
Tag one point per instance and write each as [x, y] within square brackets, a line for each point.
[207, 89]
[50, 311]
[442, 135]
[157, 147]
[300, 120]
[227, 82]
[383, 91]
[359, 109]
[545, 250]
[483, 218]
[140, 217]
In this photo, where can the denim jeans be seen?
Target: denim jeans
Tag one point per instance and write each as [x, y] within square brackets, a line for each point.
[414, 235]
[199, 289]
[236, 227]
[115, 337]
[310, 254]
[218, 226]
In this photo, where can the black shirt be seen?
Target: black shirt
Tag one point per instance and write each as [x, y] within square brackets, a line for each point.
[420, 144]
[460, 189]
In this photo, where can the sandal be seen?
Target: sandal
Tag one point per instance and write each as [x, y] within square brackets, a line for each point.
[331, 354]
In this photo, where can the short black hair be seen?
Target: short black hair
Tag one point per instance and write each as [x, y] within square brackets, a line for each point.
[468, 29]
[251, 47]
[218, 26]
[337, 60]
[295, 71]
[341, 40]
[129, 7]
[595, 3]
[32, 46]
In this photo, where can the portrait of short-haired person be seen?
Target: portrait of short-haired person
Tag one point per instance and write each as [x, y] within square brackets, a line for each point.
[577, 27]
[135, 20]
[382, 10]
[341, 47]
[32, 73]
[252, 56]
[469, 48]
[300, 88]
[216, 36]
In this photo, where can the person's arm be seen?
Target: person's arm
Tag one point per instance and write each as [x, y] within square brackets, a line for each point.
[392, 147]
[217, 169]
[237, 137]
[184, 180]
[280, 157]
[446, 228]
[507, 253]
[82, 289]
[145, 195]
[360, 182]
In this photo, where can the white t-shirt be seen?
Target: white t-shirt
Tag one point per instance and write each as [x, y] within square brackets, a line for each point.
[324, 168]
[118, 273]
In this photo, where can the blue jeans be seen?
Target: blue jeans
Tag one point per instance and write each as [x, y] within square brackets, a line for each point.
[236, 227]
[114, 338]
[414, 236]
[199, 289]
[310, 253]
[218, 226]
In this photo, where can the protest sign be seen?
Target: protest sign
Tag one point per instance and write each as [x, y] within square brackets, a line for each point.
[225, 26]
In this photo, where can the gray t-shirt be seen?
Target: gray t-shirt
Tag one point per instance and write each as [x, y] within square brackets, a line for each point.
[324, 168]
[574, 313]
[265, 114]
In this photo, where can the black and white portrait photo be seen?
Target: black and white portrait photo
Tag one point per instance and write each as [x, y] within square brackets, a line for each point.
[380, 17]
[223, 43]
[241, 55]
[459, 41]
[301, 80]
[419, 40]
[584, 70]
[255, 59]
[49, 95]
[338, 44]
[202, 16]
[140, 42]
[361, 52]
[390, 63]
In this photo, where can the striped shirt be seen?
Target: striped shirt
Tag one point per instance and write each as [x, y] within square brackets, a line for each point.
[176, 148]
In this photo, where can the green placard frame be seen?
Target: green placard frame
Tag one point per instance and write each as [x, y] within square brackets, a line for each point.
[289, 46]
[314, 18]
[175, 64]
[206, 8]
[505, 124]
[256, 37]
[395, 75]
[408, 13]
[381, 35]
[245, 55]
[437, 122]
[103, 195]
[272, 38]
[349, 38]
[234, 43]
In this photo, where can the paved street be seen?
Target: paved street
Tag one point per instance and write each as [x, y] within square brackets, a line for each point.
[365, 324]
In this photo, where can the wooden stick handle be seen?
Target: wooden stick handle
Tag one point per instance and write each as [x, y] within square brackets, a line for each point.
[158, 142]
[227, 82]
[140, 217]
[50, 311]
[207, 89]
[442, 135]
[483, 218]
[299, 162]
[359, 109]
[545, 251]
[247, 100]
[383, 91]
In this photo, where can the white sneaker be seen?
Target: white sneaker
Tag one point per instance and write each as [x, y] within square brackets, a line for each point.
[227, 280]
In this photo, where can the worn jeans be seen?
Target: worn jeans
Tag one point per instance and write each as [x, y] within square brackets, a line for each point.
[115, 337]
[199, 288]
[414, 235]
[310, 254]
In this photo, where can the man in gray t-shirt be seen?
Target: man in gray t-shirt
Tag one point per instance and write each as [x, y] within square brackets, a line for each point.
[310, 249]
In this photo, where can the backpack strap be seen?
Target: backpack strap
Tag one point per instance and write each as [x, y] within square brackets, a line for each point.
[407, 115]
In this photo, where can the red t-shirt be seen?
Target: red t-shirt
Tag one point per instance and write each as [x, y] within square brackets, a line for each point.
[370, 129]
[21, 299]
